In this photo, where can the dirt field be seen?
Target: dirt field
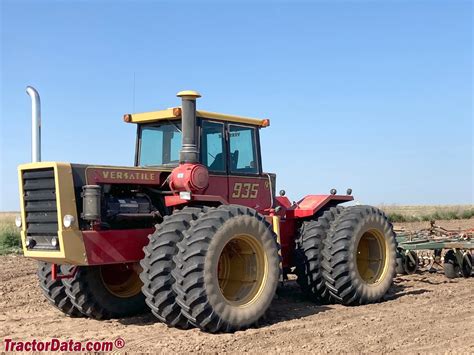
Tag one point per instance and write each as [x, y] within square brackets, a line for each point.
[417, 316]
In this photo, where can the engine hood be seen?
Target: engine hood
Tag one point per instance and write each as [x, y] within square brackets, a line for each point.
[102, 174]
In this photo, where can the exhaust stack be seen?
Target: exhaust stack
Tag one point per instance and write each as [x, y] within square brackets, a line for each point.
[189, 151]
[35, 124]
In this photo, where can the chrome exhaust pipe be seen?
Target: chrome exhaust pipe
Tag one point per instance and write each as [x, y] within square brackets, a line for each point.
[35, 124]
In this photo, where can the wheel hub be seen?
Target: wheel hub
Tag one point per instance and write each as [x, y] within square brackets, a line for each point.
[242, 270]
[371, 256]
[121, 280]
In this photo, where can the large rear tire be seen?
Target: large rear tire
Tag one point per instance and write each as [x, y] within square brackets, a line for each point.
[158, 264]
[227, 269]
[106, 291]
[54, 290]
[308, 255]
[359, 256]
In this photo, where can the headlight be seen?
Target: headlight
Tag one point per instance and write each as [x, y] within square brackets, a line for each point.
[18, 221]
[185, 195]
[68, 221]
[30, 242]
[54, 242]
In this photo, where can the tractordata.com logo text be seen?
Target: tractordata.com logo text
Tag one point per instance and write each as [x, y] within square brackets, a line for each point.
[62, 345]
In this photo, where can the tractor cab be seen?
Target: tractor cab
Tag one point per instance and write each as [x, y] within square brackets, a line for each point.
[227, 143]
[227, 146]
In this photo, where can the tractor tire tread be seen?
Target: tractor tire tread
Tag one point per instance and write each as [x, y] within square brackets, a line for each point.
[338, 270]
[54, 291]
[190, 262]
[308, 255]
[158, 264]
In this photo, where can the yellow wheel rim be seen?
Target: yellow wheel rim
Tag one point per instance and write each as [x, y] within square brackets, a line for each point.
[121, 280]
[242, 270]
[372, 256]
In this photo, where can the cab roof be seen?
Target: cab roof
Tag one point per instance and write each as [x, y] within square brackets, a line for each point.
[174, 113]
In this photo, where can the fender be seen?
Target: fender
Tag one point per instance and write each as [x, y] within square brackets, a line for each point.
[310, 205]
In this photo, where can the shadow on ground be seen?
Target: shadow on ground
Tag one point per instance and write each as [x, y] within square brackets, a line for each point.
[288, 304]
[400, 288]
[291, 303]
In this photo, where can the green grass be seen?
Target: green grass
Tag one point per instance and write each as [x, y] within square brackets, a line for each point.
[10, 242]
[441, 213]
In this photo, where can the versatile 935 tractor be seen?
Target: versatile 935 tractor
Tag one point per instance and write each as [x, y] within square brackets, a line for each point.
[195, 230]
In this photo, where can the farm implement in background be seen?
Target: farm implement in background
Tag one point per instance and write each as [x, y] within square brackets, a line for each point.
[424, 249]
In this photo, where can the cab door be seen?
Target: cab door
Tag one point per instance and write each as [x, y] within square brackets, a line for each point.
[247, 185]
[213, 150]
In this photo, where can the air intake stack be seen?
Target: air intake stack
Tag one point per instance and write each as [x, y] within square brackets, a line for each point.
[189, 151]
[190, 176]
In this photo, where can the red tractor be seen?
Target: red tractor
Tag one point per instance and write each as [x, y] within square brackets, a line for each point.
[194, 231]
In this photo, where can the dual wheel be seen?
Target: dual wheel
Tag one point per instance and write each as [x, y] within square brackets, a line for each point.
[99, 292]
[347, 256]
[216, 268]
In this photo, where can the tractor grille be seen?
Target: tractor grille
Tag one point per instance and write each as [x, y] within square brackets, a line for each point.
[39, 198]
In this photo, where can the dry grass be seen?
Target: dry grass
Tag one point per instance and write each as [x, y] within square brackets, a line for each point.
[398, 213]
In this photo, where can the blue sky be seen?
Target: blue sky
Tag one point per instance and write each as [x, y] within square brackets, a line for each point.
[373, 95]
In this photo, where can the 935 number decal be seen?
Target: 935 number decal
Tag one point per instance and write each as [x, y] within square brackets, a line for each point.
[245, 190]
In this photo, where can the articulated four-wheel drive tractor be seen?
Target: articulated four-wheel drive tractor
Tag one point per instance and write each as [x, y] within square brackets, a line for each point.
[194, 231]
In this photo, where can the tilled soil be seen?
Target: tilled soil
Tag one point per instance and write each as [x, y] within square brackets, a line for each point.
[421, 313]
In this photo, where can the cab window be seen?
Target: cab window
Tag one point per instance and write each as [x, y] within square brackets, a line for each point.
[160, 145]
[243, 152]
[212, 146]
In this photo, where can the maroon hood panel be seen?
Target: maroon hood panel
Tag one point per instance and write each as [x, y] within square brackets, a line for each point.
[118, 175]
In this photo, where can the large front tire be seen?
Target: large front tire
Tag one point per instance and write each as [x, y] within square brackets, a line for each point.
[158, 264]
[106, 291]
[359, 256]
[54, 290]
[227, 269]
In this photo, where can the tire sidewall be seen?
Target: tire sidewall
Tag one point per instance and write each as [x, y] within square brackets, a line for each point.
[104, 298]
[372, 292]
[250, 226]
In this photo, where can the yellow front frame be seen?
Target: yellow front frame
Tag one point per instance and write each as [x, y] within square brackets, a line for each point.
[71, 244]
